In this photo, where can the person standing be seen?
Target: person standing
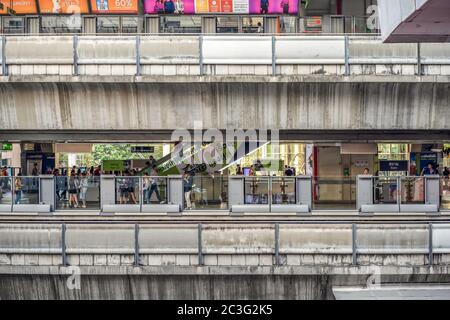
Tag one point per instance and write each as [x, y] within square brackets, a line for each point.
[428, 170]
[18, 189]
[73, 190]
[84, 184]
[35, 170]
[188, 180]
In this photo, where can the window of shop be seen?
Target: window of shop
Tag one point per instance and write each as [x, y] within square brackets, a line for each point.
[130, 25]
[253, 25]
[227, 24]
[186, 24]
[61, 24]
[108, 24]
[393, 152]
[12, 25]
[311, 24]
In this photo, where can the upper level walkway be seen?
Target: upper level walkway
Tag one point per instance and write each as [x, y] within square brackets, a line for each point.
[222, 58]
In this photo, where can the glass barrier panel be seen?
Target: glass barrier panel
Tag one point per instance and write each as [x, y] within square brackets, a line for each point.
[127, 190]
[385, 190]
[445, 193]
[413, 190]
[6, 190]
[154, 189]
[283, 190]
[26, 190]
[334, 193]
[77, 192]
[209, 192]
[256, 190]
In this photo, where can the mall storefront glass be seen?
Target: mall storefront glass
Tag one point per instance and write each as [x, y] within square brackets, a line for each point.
[61, 24]
[180, 24]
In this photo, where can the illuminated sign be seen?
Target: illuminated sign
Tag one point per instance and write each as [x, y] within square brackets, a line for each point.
[221, 6]
[114, 6]
[18, 6]
[63, 6]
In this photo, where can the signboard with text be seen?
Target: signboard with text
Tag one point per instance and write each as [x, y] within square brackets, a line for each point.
[393, 165]
[19, 6]
[221, 6]
[63, 6]
[114, 6]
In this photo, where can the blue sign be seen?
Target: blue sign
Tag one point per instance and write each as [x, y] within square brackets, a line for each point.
[393, 165]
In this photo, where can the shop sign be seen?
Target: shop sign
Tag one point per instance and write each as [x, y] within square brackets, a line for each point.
[114, 6]
[394, 165]
[142, 149]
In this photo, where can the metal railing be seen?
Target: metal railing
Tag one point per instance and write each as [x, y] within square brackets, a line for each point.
[294, 237]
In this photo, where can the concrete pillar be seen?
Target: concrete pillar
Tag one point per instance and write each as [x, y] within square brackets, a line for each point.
[432, 190]
[89, 25]
[364, 191]
[47, 190]
[208, 25]
[107, 190]
[271, 25]
[175, 190]
[304, 190]
[235, 190]
[152, 25]
[33, 25]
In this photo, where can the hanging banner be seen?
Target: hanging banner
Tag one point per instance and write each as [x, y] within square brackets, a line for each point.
[19, 6]
[221, 6]
[114, 6]
[63, 6]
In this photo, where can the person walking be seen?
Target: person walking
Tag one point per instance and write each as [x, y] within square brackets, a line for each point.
[154, 185]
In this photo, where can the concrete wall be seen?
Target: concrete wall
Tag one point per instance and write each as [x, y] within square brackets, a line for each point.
[201, 283]
[153, 106]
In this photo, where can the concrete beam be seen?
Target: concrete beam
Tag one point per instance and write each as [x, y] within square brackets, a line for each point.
[283, 106]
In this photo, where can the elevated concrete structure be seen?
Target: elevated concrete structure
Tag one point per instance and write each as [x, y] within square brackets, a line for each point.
[301, 261]
[151, 85]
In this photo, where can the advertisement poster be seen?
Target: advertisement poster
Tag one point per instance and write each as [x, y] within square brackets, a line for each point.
[19, 6]
[63, 6]
[114, 6]
[221, 6]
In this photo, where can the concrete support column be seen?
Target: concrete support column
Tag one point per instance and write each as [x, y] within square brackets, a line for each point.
[33, 25]
[304, 191]
[175, 190]
[364, 191]
[107, 190]
[152, 25]
[208, 25]
[47, 190]
[89, 25]
[271, 25]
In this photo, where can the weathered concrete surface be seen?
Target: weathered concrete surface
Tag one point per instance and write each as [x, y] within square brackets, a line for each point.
[156, 106]
[199, 283]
